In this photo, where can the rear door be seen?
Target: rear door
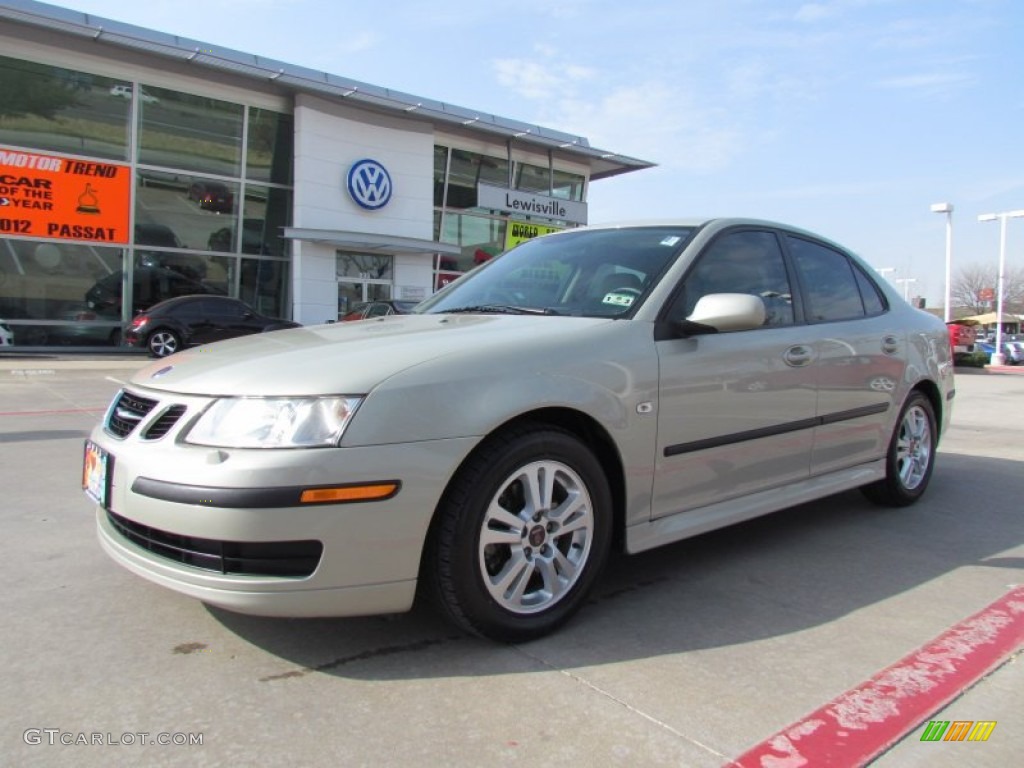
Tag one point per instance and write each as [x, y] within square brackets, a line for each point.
[862, 356]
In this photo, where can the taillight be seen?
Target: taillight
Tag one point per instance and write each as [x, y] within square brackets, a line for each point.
[139, 321]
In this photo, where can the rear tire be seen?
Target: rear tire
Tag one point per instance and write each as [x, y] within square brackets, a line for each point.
[910, 458]
[522, 534]
[163, 342]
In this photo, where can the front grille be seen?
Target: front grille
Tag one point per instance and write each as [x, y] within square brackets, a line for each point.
[128, 410]
[294, 559]
[164, 422]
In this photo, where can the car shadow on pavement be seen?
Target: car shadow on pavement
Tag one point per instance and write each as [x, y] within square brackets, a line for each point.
[783, 573]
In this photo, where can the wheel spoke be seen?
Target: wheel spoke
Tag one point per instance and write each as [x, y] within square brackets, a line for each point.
[538, 485]
[501, 537]
[565, 566]
[573, 514]
[511, 582]
[498, 514]
[553, 584]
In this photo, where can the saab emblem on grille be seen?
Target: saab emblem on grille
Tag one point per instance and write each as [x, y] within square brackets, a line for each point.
[369, 184]
[124, 413]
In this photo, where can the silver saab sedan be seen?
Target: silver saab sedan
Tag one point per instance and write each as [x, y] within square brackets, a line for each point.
[607, 386]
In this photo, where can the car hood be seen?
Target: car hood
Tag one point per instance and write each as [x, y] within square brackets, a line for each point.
[343, 358]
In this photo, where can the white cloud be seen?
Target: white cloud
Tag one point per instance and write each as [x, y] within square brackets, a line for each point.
[541, 78]
[934, 82]
[810, 13]
[361, 41]
[655, 122]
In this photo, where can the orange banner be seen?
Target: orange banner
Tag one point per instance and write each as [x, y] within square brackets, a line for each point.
[57, 197]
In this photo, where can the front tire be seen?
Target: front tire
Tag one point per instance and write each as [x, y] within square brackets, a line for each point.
[163, 342]
[910, 458]
[523, 532]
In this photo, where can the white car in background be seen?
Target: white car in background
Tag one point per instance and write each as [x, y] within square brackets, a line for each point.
[125, 92]
[585, 390]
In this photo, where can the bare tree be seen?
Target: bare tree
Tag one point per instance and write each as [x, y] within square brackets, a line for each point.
[975, 280]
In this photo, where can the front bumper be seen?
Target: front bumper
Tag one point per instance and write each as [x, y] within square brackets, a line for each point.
[370, 550]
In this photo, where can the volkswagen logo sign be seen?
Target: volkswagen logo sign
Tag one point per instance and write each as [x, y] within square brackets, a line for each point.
[369, 184]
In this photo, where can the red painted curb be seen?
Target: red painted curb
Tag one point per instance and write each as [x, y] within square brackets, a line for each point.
[865, 721]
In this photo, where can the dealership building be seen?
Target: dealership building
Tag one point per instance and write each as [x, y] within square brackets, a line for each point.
[136, 165]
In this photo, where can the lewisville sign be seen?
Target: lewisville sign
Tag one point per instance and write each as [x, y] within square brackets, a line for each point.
[530, 204]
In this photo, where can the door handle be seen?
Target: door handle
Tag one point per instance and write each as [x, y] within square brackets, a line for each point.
[798, 356]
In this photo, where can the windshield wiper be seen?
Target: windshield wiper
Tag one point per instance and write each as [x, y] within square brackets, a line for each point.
[504, 309]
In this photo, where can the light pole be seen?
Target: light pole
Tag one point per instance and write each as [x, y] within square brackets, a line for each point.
[906, 285]
[947, 208]
[997, 355]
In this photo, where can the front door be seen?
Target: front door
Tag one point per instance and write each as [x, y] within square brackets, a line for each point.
[363, 277]
[736, 410]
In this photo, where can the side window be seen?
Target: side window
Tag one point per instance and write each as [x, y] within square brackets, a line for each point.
[211, 308]
[828, 277]
[740, 262]
[874, 302]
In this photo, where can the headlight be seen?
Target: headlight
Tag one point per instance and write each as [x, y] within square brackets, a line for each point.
[274, 422]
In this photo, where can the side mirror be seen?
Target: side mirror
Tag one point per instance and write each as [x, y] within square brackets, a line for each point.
[724, 312]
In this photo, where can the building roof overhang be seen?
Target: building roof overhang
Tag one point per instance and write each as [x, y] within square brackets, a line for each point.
[602, 163]
[366, 241]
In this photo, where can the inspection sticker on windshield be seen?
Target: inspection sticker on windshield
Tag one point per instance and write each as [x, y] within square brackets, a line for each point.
[96, 474]
[671, 240]
[618, 299]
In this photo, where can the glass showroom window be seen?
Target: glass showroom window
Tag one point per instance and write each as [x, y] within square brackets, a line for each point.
[561, 184]
[568, 186]
[49, 108]
[440, 174]
[46, 291]
[271, 140]
[479, 237]
[264, 285]
[469, 169]
[176, 210]
[194, 133]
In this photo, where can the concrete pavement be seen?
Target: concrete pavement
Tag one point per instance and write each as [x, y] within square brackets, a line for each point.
[686, 656]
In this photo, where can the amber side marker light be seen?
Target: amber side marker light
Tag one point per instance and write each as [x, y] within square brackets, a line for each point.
[372, 492]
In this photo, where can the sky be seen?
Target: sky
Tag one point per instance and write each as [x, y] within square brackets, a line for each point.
[849, 118]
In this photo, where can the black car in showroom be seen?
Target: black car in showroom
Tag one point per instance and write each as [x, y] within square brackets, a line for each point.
[188, 321]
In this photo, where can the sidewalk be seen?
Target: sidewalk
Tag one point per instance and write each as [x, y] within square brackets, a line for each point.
[969, 370]
[84, 362]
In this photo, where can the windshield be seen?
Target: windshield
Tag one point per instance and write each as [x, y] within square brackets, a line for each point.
[589, 272]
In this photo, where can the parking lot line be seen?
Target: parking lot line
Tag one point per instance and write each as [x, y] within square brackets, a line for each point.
[860, 724]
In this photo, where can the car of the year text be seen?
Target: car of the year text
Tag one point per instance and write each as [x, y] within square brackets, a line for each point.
[588, 389]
